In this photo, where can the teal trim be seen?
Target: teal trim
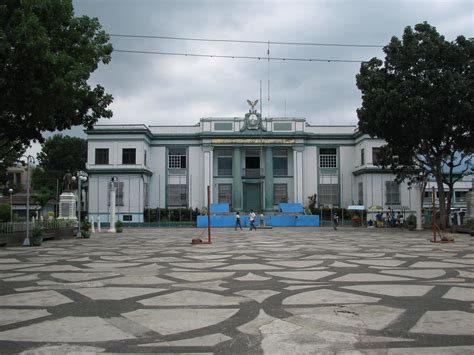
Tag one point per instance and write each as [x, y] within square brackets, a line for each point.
[282, 126]
[103, 171]
[237, 180]
[223, 126]
[268, 178]
[381, 171]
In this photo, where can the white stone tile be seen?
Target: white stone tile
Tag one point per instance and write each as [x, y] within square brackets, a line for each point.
[378, 262]
[367, 277]
[200, 276]
[136, 280]
[391, 290]
[252, 277]
[325, 296]
[445, 323]
[116, 293]
[12, 316]
[460, 294]
[198, 265]
[302, 275]
[422, 274]
[297, 263]
[206, 340]
[342, 264]
[83, 276]
[172, 321]
[435, 264]
[68, 329]
[257, 295]
[39, 299]
[253, 327]
[192, 298]
[60, 349]
[250, 267]
[31, 277]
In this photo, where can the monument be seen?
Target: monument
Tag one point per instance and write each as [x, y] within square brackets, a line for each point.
[67, 200]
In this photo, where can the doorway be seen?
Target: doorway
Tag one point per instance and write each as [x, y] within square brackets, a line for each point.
[252, 196]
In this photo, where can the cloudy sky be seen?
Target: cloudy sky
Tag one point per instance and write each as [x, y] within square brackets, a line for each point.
[156, 89]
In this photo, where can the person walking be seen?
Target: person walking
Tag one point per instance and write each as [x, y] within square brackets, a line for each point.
[252, 220]
[335, 220]
[237, 221]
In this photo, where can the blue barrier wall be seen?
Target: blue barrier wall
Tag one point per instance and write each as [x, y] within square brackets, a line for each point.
[274, 221]
[291, 207]
[219, 207]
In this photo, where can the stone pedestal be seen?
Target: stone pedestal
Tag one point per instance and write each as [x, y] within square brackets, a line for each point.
[67, 206]
[470, 206]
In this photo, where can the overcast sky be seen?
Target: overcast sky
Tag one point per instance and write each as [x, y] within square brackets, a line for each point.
[156, 90]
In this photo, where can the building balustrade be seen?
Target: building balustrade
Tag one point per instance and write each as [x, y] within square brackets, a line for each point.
[253, 173]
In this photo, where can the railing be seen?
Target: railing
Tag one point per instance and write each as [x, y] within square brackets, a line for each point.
[252, 173]
[7, 227]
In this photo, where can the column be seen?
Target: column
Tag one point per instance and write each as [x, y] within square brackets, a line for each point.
[237, 179]
[298, 174]
[418, 201]
[268, 178]
[208, 172]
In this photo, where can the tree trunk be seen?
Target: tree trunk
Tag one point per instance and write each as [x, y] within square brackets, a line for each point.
[442, 202]
[449, 202]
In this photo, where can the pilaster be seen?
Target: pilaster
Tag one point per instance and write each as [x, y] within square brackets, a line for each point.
[268, 178]
[237, 179]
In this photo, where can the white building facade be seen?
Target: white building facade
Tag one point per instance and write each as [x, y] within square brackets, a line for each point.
[248, 162]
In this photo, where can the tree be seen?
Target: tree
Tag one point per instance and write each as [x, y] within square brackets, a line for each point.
[46, 58]
[59, 154]
[420, 101]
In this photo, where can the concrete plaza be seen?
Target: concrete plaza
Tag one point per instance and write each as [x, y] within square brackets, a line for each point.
[280, 291]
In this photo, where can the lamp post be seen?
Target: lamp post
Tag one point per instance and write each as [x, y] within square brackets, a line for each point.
[29, 160]
[10, 191]
[418, 182]
[81, 176]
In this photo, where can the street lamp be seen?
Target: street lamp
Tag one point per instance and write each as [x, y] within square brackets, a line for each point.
[10, 191]
[29, 160]
[81, 176]
[418, 183]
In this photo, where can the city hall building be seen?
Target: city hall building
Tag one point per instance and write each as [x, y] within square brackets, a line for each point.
[248, 162]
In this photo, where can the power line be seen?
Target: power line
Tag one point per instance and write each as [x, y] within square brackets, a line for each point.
[249, 41]
[242, 57]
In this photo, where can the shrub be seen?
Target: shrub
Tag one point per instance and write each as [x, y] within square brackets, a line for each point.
[411, 220]
[5, 211]
[119, 226]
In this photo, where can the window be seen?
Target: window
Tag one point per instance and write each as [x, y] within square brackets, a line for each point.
[146, 195]
[144, 158]
[392, 193]
[361, 193]
[224, 163]
[428, 196]
[127, 218]
[376, 156]
[118, 194]
[177, 195]
[460, 196]
[128, 156]
[280, 162]
[102, 156]
[328, 189]
[177, 158]
[362, 156]
[280, 193]
[225, 193]
[327, 158]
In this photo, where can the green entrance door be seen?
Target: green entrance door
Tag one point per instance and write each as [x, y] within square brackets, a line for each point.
[252, 197]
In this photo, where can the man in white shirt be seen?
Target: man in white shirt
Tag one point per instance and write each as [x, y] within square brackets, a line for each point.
[252, 220]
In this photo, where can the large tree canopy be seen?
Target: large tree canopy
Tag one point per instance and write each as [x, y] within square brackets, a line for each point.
[420, 100]
[59, 154]
[46, 58]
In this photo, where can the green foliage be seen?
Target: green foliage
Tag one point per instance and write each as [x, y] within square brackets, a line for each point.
[420, 101]
[10, 153]
[44, 195]
[5, 211]
[119, 226]
[86, 225]
[411, 220]
[59, 154]
[470, 224]
[312, 201]
[46, 58]
[37, 232]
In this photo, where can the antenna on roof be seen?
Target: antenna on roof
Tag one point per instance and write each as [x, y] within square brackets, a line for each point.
[268, 78]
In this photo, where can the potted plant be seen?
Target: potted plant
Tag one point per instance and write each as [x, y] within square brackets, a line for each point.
[85, 229]
[119, 226]
[411, 222]
[37, 236]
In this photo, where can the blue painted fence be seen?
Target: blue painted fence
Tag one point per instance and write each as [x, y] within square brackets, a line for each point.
[274, 221]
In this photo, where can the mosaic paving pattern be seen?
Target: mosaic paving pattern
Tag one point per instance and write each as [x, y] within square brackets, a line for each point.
[274, 292]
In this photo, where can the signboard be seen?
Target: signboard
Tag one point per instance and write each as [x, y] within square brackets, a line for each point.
[252, 141]
[356, 207]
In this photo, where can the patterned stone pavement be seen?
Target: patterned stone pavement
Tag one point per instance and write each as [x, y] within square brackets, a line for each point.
[281, 291]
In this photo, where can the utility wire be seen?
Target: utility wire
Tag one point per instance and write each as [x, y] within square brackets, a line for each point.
[242, 57]
[248, 41]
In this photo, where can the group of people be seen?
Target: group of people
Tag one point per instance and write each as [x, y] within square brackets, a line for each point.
[390, 219]
[252, 217]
